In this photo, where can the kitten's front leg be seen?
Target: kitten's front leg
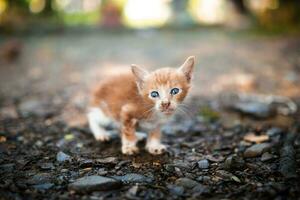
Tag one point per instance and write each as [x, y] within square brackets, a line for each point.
[154, 145]
[128, 136]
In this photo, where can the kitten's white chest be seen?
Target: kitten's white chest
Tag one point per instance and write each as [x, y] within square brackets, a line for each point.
[155, 121]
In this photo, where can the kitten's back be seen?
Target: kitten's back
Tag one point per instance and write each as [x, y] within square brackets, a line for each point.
[114, 92]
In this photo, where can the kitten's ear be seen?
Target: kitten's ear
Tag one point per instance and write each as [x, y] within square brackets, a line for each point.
[187, 67]
[140, 75]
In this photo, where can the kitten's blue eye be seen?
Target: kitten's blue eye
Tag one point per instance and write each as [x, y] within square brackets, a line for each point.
[174, 91]
[154, 94]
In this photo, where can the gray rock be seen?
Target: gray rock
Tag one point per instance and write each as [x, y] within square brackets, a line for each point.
[47, 166]
[62, 157]
[94, 183]
[35, 107]
[132, 192]
[256, 150]
[274, 131]
[107, 160]
[44, 186]
[224, 174]
[176, 190]
[191, 185]
[256, 109]
[134, 178]
[234, 162]
[177, 164]
[39, 179]
[203, 179]
[9, 167]
[203, 164]
[266, 156]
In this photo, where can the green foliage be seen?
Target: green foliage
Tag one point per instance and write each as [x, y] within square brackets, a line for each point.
[209, 114]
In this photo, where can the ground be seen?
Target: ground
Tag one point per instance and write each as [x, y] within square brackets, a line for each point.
[224, 145]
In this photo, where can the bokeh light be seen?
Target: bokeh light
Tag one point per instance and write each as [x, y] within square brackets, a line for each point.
[3, 6]
[37, 6]
[145, 13]
[208, 11]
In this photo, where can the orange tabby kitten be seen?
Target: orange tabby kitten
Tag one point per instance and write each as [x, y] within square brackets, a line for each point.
[141, 98]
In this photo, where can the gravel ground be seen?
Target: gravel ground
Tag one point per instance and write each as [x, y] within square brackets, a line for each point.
[217, 150]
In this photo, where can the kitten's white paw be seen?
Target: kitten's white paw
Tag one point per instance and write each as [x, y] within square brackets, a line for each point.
[103, 137]
[129, 149]
[156, 148]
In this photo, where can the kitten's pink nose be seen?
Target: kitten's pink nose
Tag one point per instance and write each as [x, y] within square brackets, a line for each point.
[165, 104]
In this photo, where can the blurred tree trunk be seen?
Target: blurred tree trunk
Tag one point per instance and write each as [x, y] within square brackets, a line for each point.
[240, 7]
[48, 8]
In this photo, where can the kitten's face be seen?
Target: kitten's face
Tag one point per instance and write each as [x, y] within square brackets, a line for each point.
[165, 88]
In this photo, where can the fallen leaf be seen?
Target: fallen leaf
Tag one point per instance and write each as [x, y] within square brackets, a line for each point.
[251, 137]
[2, 139]
[235, 178]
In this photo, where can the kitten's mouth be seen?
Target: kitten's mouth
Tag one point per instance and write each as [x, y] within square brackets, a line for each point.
[168, 111]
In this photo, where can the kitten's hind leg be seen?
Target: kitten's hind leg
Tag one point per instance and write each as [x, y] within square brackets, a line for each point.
[97, 119]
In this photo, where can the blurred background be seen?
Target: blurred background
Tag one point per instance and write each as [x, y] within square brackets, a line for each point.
[53, 51]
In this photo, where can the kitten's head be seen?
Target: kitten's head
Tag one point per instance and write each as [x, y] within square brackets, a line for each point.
[165, 88]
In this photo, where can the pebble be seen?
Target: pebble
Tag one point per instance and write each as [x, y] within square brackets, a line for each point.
[107, 160]
[34, 107]
[176, 190]
[203, 179]
[9, 167]
[193, 186]
[47, 166]
[225, 175]
[134, 178]
[256, 150]
[132, 192]
[256, 109]
[274, 131]
[40, 178]
[94, 183]
[203, 164]
[62, 157]
[234, 162]
[44, 186]
[266, 156]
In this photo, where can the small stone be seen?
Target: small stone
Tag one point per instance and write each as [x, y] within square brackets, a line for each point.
[256, 150]
[84, 163]
[94, 183]
[191, 185]
[203, 179]
[203, 164]
[62, 157]
[255, 109]
[176, 190]
[107, 160]
[215, 158]
[47, 166]
[44, 186]
[266, 156]
[64, 170]
[177, 164]
[39, 179]
[9, 112]
[234, 162]
[132, 192]
[225, 175]
[35, 107]
[274, 131]
[9, 167]
[134, 178]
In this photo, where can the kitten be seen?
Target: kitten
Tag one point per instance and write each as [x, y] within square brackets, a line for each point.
[139, 98]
